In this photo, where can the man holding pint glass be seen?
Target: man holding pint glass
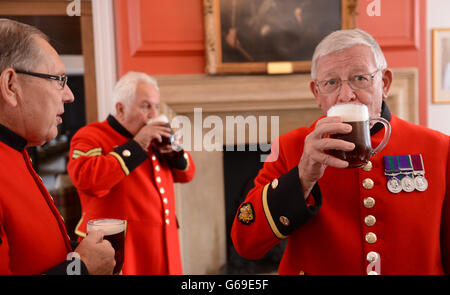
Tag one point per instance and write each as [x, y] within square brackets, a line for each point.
[124, 169]
[33, 91]
[360, 191]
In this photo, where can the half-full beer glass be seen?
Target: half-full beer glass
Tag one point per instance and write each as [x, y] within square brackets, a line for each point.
[357, 115]
[114, 231]
[165, 140]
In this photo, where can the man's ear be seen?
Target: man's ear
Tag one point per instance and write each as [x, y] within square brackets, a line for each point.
[9, 87]
[387, 81]
[313, 88]
[119, 109]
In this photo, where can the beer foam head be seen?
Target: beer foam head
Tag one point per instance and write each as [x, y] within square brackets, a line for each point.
[109, 226]
[160, 118]
[349, 112]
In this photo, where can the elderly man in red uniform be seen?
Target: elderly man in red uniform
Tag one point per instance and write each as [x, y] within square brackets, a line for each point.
[354, 220]
[121, 172]
[33, 91]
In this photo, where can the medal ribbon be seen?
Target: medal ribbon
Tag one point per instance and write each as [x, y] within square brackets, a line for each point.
[391, 166]
[417, 163]
[405, 165]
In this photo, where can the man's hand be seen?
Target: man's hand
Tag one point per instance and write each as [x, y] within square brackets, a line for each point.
[314, 159]
[153, 131]
[97, 254]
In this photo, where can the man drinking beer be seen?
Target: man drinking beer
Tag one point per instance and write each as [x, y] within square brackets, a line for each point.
[389, 216]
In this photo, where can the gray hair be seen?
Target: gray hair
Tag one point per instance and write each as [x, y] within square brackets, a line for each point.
[344, 39]
[125, 89]
[18, 48]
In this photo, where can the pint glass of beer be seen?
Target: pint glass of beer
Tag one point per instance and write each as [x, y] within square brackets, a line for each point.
[357, 115]
[165, 140]
[114, 231]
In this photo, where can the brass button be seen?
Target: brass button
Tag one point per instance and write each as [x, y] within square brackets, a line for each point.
[368, 183]
[274, 183]
[372, 256]
[186, 156]
[369, 202]
[368, 167]
[167, 221]
[162, 191]
[165, 201]
[370, 220]
[284, 220]
[167, 212]
[158, 179]
[371, 238]
[126, 153]
[154, 158]
[157, 168]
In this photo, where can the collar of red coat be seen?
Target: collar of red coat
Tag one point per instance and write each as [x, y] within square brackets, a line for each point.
[118, 127]
[12, 139]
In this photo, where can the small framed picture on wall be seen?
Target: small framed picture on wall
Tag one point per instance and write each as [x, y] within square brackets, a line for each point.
[441, 65]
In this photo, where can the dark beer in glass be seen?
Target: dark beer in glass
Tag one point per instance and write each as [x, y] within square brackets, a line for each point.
[114, 231]
[357, 115]
[164, 140]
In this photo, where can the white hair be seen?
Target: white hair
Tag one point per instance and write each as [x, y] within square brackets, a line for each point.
[125, 89]
[344, 39]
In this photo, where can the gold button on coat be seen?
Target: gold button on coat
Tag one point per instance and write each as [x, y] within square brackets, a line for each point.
[158, 179]
[371, 238]
[162, 190]
[368, 183]
[367, 167]
[274, 183]
[372, 256]
[126, 153]
[157, 168]
[284, 220]
[369, 202]
[370, 220]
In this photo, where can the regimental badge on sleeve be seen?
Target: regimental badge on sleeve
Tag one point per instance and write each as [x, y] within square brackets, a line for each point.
[246, 214]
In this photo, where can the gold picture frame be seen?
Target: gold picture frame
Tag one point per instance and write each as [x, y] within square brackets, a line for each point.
[441, 65]
[226, 53]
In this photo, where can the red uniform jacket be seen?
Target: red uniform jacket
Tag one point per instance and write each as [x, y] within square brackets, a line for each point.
[33, 237]
[359, 217]
[115, 178]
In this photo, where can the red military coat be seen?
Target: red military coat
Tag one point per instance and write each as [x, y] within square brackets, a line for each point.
[33, 238]
[351, 215]
[115, 178]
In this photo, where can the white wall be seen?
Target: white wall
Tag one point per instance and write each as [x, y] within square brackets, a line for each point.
[438, 16]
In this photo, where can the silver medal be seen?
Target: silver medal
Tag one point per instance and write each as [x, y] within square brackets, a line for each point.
[408, 184]
[394, 185]
[420, 183]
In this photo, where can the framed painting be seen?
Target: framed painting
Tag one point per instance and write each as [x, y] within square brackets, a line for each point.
[270, 36]
[441, 65]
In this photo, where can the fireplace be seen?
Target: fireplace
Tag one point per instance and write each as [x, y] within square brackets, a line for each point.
[201, 204]
[240, 169]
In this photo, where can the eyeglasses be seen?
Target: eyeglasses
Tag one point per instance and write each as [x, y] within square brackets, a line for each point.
[62, 80]
[355, 82]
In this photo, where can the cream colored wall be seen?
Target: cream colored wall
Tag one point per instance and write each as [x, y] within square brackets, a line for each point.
[437, 17]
